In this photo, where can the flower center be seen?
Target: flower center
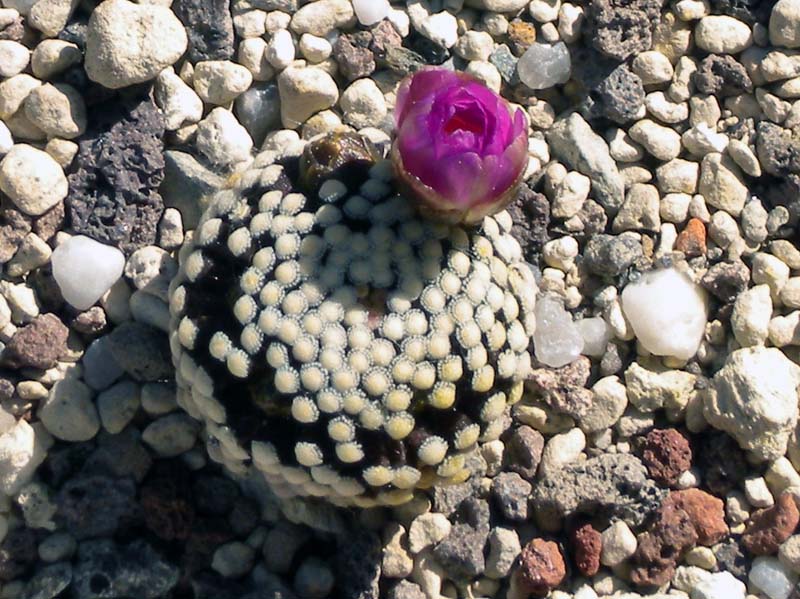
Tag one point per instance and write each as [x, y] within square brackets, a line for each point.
[460, 122]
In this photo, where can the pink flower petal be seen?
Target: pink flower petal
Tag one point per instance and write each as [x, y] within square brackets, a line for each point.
[459, 146]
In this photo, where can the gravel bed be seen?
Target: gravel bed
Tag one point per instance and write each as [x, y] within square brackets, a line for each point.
[653, 449]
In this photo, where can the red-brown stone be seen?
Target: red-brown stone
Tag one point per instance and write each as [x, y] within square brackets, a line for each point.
[661, 548]
[667, 455]
[706, 511]
[587, 543]
[692, 240]
[770, 527]
[541, 567]
[38, 345]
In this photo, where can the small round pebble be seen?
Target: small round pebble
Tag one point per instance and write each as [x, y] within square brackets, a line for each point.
[69, 413]
[32, 180]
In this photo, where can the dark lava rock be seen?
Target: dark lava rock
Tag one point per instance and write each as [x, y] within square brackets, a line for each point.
[64, 461]
[530, 213]
[50, 223]
[722, 76]
[587, 544]
[206, 535]
[354, 56]
[96, 506]
[474, 512]
[215, 495]
[14, 226]
[731, 558]
[105, 569]
[120, 456]
[18, 553]
[210, 585]
[660, 549]
[358, 565]
[113, 192]
[722, 462]
[166, 502]
[767, 529]
[609, 255]
[461, 552]
[667, 455]
[209, 25]
[523, 452]
[49, 582]
[510, 493]
[563, 389]
[447, 498]
[726, 280]
[244, 517]
[618, 97]
[37, 345]
[431, 52]
[621, 28]
[777, 149]
[141, 351]
[614, 485]
[749, 11]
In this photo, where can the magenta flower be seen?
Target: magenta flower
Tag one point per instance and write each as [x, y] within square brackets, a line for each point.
[459, 148]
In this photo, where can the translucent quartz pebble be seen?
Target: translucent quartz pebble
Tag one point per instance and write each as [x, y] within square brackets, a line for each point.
[596, 335]
[557, 340]
[370, 12]
[85, 269]
[774, 579]
[545, 65]
[667, 311]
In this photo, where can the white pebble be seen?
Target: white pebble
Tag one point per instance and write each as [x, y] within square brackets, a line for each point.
[14, 58]
[32, 180]
[667, 311]
[85, 269]
[21, 451]
[721, 585]
[774, 579]
[369, 12]
[222, 139]
[280, 50]
[315, 49]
